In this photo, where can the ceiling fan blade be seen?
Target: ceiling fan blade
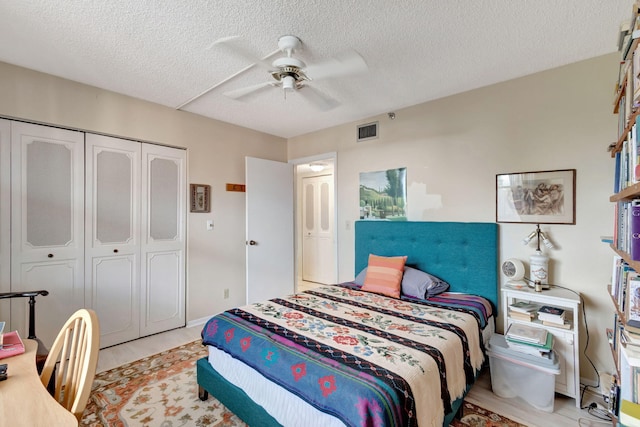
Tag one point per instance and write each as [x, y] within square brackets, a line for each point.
[238, 46]
[249, 90]
[347, 63]
[319, 99]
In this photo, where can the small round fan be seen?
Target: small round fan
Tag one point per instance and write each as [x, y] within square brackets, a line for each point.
[513, 269]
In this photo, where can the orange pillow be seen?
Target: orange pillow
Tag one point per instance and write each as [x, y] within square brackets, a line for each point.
[384, 275]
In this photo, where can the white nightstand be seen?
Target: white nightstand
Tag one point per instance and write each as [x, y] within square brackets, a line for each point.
[566, 341]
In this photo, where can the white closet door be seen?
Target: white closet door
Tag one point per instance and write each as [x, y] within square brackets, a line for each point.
[5, 217]
[47, 224]
[317, 224]
[112, 244]
[163, 238]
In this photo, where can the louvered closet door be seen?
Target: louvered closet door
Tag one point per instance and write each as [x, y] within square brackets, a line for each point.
[163, 238]
[112, 252]
[47, 224]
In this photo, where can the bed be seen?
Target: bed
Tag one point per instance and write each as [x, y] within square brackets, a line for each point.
[337, 355]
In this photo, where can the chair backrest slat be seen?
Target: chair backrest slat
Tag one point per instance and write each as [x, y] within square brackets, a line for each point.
[74, 357]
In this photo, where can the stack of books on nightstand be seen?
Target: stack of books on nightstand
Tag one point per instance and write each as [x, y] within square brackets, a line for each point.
[553, 316]
[530, 340]
[523, 310]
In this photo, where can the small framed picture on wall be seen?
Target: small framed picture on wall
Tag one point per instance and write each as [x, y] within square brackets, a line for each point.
[200, 198]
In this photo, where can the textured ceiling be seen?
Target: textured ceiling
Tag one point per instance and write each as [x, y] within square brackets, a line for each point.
[416, 51]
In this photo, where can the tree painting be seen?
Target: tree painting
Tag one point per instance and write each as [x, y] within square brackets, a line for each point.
[383, 195]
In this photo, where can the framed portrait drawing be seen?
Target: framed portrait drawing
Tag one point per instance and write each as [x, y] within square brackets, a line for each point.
[200, 198]
[546, 197]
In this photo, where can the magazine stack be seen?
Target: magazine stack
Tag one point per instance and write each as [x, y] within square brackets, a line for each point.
[530, 340]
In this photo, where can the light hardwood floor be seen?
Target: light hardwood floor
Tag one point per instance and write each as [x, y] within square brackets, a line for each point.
[565, 413]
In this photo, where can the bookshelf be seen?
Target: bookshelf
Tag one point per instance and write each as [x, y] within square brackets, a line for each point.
[566, 342]
[626, 151]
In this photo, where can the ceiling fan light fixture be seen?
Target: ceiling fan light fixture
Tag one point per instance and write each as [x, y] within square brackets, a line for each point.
[317, 167]
[288, 83]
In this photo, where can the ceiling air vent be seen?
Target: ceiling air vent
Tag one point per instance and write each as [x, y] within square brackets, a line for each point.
[368, 131]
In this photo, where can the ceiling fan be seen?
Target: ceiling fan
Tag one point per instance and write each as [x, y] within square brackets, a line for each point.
[291, 74]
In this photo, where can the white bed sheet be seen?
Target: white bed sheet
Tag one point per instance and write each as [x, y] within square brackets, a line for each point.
[287, 408]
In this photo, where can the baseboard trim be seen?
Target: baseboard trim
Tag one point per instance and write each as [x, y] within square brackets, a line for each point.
[198, 322]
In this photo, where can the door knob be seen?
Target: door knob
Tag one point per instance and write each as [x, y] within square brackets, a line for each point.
[252, 242]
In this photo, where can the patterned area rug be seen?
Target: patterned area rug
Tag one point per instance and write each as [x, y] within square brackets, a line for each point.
[475, 416]
[161, 390]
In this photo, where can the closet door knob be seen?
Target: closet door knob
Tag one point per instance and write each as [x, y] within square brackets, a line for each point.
[50, 256]
[115, 251]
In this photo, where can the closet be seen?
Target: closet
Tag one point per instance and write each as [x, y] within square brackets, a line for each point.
[100, 223]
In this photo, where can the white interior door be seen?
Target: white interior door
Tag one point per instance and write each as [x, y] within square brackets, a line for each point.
[5, 218]
[112, 249]
[163, 242]
[269, 238]
[47, 224]
[318, 229]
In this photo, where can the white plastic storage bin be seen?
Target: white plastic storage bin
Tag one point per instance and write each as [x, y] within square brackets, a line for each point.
[517, 374]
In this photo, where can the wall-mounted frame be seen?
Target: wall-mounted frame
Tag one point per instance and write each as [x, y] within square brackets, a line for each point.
[546, 197]
[200, 198]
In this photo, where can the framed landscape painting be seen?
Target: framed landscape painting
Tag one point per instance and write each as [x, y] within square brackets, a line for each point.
[546, 197]
[383, 195]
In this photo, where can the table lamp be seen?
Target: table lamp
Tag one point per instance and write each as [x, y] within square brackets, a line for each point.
[539, 262]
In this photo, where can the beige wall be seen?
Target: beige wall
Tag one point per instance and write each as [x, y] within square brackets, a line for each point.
[215, 150]
[454, 147]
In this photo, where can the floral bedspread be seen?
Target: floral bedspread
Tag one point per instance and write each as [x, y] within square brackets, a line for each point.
[364, 358]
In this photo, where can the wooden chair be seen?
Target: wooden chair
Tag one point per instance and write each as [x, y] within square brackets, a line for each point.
[73, 359]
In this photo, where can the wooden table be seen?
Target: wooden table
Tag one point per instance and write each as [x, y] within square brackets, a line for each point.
[24, 401]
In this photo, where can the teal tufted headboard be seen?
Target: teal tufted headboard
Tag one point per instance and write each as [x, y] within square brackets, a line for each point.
[465, 254]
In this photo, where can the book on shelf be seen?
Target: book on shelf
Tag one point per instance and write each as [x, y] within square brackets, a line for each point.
[524, 307]
[551, 314]
[615, 273]
[630, 43]
[616, 176]
[526, 334]
[628, 337]
[634, 234]
[526, 317]
[606, 239]
[563, 325]
[622, 274]
[632, 304]
[548, 309]
[550, 318]
[629, 374]
[625, 27]
[629, 415]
